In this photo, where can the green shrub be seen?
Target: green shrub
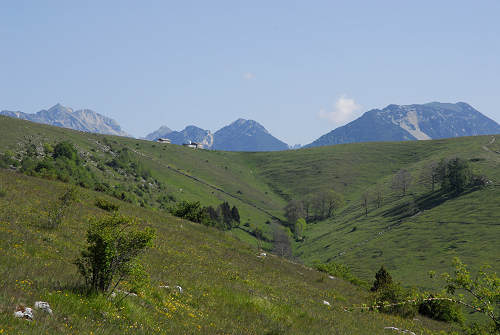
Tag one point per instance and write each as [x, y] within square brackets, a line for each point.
[58, 209]
[2, 193]
[442, 310]
[106, 205]
[111, 256]
[7, 159]
[393, 299]
[65, 149]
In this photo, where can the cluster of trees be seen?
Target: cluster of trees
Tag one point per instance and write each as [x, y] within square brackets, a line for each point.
[313, 207]
[223, 217]
[452, 175]
[60, 162]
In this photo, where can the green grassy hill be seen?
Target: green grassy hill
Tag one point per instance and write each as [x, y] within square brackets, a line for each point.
[227, 288]
[467, 226]
[195, 175]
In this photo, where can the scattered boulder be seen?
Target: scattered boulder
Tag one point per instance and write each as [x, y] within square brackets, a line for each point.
[24, 313]
[331, 277]
[176, 287]
[326, 303]
[402, 331]
[44, 306]
[262, 255]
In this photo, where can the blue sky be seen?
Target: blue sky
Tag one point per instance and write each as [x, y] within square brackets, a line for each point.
[301, 68]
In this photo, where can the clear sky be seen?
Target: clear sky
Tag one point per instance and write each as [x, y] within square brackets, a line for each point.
[300, 68]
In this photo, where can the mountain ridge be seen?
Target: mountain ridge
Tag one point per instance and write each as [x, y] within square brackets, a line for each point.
[434, 120]
[82, 119]
[240, 135]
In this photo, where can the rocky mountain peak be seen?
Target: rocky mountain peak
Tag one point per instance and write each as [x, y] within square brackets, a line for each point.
[432, 120]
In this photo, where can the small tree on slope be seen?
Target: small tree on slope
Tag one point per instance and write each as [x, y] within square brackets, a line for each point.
[114, 244]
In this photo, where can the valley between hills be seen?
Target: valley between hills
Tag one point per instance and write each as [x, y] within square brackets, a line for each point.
[236, 280]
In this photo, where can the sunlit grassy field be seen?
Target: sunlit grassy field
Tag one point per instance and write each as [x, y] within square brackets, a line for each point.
[227, 289]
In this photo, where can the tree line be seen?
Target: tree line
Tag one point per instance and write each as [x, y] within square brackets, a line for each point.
[451, 176]
[311, 208]
[223, 217]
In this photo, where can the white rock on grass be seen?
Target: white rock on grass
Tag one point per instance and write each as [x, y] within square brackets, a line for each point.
[402, 331]
[326, 303]
[176, 287]
[44, 306]
[24, 313]
[331, 277]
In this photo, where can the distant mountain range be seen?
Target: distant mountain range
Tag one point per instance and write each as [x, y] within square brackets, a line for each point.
[83, 120]
[241, 135]
[412, 122]
[393, 123]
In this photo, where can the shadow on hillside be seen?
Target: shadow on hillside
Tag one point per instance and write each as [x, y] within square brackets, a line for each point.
[414, 205]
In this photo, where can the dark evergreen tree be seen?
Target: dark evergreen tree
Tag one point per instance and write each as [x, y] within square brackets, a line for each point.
[382, 280]
[235, 214]
[458, 175]
[212, 214]
[225, 211]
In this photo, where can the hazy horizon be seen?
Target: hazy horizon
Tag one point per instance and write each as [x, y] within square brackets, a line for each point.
[299, 69]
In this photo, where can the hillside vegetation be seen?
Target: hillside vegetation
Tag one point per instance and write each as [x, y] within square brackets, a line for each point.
[226, 287]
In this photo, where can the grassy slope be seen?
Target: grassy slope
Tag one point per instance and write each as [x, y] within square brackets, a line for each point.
[219, 169]
[227, 288]
[467, 226]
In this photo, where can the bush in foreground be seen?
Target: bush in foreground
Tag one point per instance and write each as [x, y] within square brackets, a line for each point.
[114, 244]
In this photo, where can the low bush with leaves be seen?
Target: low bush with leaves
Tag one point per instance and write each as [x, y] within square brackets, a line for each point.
[441, 309]
[389, 296]
[114, 244]
[106, 205]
